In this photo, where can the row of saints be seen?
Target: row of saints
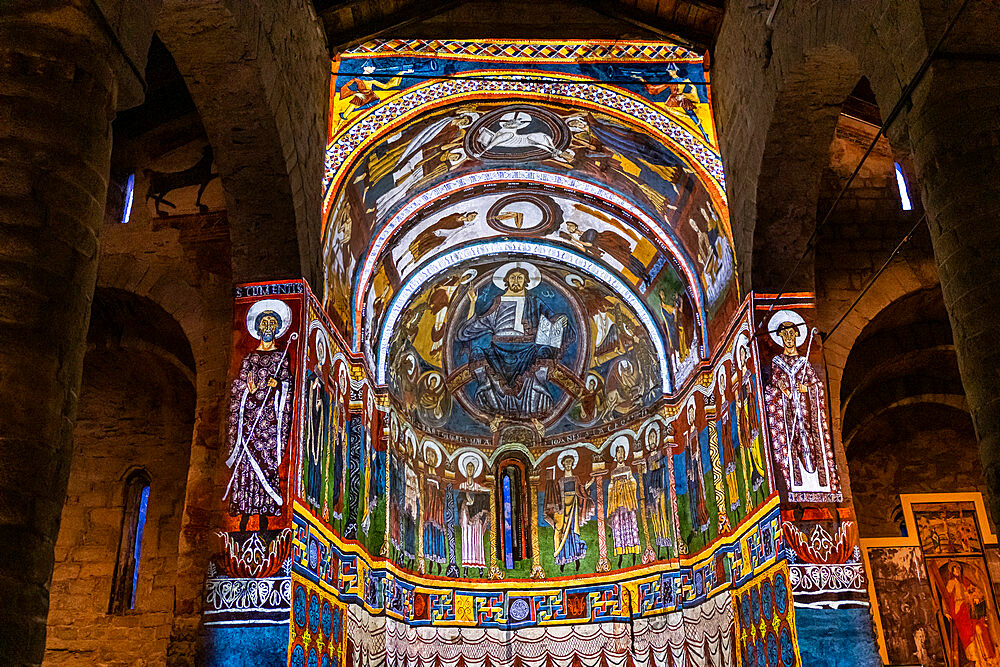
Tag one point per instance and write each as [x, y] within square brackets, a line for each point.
[665, 487]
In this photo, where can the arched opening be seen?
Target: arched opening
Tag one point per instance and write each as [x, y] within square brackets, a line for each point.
[906, 427]
[796, 150]
[121, 523]
[513, 520]
[126, 577]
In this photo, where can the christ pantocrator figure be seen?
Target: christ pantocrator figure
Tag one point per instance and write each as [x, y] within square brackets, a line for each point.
[517, 332]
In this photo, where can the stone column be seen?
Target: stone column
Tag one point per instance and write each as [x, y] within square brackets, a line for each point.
[60, 88]
[954, 130]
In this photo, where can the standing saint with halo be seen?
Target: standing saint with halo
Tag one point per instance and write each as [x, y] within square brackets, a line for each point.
[260, 416]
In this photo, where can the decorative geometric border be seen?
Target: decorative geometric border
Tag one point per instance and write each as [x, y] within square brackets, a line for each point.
[346, 570]
[496, 50]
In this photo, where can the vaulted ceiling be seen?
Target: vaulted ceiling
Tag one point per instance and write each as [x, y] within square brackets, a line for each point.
[689, 22]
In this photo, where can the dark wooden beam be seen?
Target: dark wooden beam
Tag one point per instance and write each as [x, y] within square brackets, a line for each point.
[679, 33]
[412, 13]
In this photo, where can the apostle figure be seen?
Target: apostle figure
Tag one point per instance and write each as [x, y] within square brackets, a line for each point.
[397, 489]
[340, 421]
[435, 545]
[260, 417]
[411, 503]
[622, 504]
[568, 510]
[316, 438]
[748, 425]
[795, 405]
[968, 614]
[474, 513]
[658, 490]
[726, 441]
[695, 472]
[373, 480]
[522, 331]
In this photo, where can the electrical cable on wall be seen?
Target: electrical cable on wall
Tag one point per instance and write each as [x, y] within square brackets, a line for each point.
[901, 103]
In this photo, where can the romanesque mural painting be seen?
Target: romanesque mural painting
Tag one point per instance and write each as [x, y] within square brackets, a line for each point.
[797, 408]
[529, 407]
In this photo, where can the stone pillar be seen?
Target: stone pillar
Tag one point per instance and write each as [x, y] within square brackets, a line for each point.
[954, 130]
[58, 78]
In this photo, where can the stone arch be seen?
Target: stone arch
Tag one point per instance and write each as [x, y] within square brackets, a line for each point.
[807, 62]
[259, 78]
[137, 410]
[795, 151]
[899, 280]
[206, 325]
[900, 408]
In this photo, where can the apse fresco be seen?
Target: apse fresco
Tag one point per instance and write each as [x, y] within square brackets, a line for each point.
[490, 475]
[627, 174]
[529, 419]
[502, 344]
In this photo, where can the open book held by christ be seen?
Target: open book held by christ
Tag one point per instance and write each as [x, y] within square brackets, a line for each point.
[550, 332]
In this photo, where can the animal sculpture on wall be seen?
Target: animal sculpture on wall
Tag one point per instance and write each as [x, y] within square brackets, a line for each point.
[162, 183]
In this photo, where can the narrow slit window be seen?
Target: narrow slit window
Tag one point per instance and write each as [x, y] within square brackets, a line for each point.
[126, 578]
[129, 194]
[904, 190]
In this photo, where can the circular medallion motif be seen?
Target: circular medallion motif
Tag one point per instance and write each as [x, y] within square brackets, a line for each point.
[524, 213]
[755, 605]
[772, 649]
[326, 661]
[298, 656]
[787, 647]
[766, 599]
[313, 555]
[780, 594]
[749, 655]
[313, 658]
[761, 654]
[314, 614]
[327, 619]
[519, 609]
[745, 611]
[517, 133]
[300, 606]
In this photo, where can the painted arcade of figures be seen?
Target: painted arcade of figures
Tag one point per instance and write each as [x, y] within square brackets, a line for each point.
[663, 482]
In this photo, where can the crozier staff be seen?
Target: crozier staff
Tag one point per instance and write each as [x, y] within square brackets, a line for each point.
[260, 414]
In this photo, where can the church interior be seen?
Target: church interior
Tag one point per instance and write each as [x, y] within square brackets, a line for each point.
[497, 333]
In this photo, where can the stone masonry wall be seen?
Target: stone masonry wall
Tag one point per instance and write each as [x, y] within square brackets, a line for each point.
[136, 411]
